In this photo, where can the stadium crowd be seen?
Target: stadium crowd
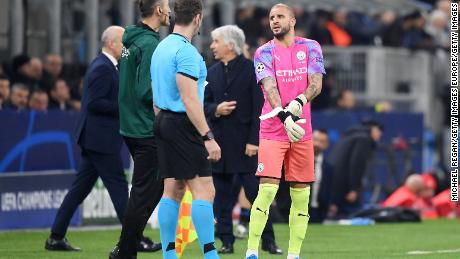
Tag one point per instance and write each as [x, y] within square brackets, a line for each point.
[48, 84]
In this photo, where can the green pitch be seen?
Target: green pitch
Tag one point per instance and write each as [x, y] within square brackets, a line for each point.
[440, 239]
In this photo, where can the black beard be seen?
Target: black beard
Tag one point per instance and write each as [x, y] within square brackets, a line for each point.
[281, 34]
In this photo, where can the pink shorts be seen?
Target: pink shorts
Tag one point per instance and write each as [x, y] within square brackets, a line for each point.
[298, 160]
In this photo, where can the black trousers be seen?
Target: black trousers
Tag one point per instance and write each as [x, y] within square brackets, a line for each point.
[146, 192]
[93, 165]
[227, 190]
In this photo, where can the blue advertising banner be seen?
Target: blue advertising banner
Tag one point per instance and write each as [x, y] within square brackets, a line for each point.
[32, 200]
[36, 141]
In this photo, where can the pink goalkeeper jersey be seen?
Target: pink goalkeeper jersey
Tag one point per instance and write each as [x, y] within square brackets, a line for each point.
[291, 67]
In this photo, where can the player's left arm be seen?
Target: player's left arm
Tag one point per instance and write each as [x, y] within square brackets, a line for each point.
[315, 79]
[315, 85]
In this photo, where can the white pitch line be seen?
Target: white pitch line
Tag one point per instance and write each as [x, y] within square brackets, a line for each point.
[449, 251]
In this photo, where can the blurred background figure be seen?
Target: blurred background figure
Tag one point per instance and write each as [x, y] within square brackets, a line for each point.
[52, 71]
[321, 189]
[350, 157]
[23, 71]
[36, 67]
[60, 96]
[18, 98]
[39, 100]
[345, 100]
[4, 90]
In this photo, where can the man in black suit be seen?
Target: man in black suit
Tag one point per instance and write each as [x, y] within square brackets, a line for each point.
[97, 134]
[233, 102]
[350, 158]
[321, 189]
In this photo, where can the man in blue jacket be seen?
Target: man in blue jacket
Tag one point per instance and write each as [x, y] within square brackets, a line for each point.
[97, 134]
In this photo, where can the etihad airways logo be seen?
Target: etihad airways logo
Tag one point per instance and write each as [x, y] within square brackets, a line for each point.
[292, 72]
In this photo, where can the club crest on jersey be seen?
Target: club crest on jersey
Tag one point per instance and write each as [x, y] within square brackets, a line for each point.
[260, 167]
[260, 67]
[301, 55]
[125, 52]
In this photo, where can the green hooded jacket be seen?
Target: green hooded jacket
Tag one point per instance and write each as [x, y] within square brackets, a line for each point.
[135, 90]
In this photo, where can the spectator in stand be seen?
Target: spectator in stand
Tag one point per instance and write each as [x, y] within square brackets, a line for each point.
[416, 37]
[318, 29]
[350, 157]
[36, 67]
[444, 5]
[4, 90]
[60, 96]
[321, 188]
[438, 28]
[345, 100]
[338, 29]
[52, 71]
[362, 28]
[39, 100]
[18, 98]
[75, 95]
[22, 71]
[393, 31]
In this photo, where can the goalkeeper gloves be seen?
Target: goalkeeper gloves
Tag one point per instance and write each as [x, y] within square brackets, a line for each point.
[293, 130]
[296, 105]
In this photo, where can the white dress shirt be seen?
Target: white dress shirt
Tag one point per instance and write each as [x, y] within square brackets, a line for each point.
[318, 175]
[112, 58]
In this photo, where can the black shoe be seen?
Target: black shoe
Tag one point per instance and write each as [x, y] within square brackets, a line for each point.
[147, 245]
[115, 254]
[226, 249]
[59, 245]
[272, 248]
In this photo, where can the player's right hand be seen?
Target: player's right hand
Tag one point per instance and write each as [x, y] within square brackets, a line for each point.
[293, 130]
[213, 149]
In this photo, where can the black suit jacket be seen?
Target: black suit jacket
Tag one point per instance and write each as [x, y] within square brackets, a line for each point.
[98, 125]
[234, 82]
[324, 193]
[325, 187]
[350, 157]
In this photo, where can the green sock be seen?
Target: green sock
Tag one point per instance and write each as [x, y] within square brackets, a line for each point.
[298, 218]
[259, 213]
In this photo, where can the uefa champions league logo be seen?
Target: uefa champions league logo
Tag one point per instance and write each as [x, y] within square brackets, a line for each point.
[301, 55]
[260, 67]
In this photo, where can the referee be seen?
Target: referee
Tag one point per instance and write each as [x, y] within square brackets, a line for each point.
[185, 143]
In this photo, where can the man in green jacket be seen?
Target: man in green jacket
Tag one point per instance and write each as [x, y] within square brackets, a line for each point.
[136, 123]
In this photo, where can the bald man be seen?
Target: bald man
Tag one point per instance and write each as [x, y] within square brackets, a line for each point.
[98, 137]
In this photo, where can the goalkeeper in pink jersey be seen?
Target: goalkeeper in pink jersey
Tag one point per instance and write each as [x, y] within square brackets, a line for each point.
[290, 70]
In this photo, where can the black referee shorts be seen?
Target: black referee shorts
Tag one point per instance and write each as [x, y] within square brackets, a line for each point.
[181, 151]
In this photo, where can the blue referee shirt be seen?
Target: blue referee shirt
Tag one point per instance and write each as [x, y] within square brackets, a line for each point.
[175, 54]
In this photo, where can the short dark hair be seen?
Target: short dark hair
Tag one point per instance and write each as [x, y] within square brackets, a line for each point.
[146, 7]
[186, 10]
[39, 91]
[53, 87]
[369, 123]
